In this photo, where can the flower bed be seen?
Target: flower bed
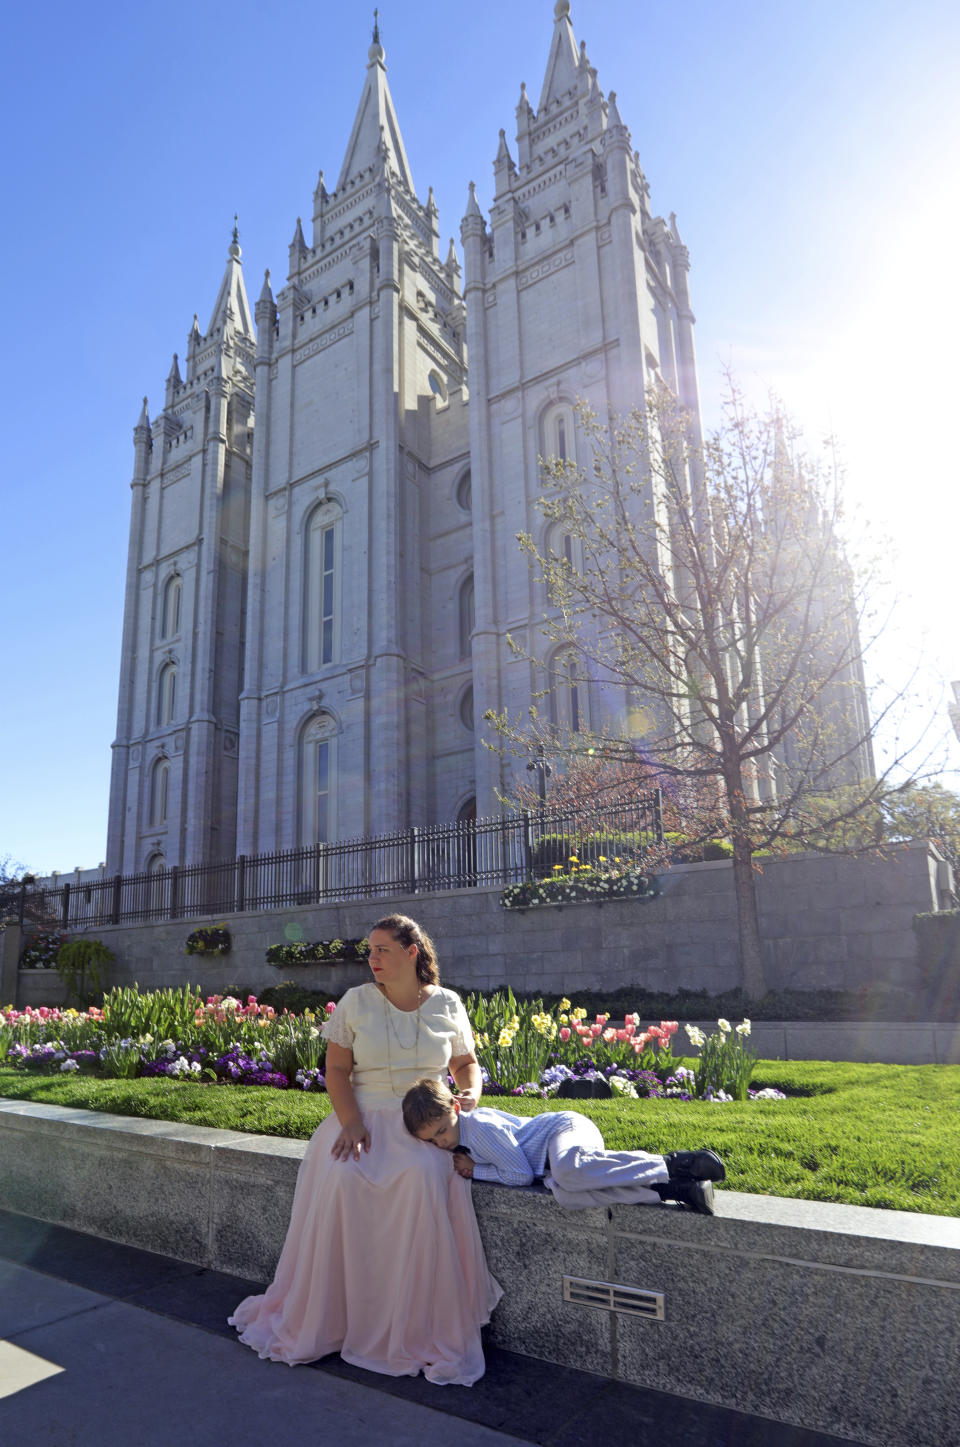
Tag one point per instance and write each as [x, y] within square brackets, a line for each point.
[211, 939]
[582, 883]
[318, 952]
[522, 1047]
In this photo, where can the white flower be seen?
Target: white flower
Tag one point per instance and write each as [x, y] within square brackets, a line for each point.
[69, 1065]
[744, 1029]
[769, 1093]
[695, 1036]
[724, 1027]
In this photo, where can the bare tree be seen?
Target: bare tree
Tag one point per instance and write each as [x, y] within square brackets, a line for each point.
[703, 596]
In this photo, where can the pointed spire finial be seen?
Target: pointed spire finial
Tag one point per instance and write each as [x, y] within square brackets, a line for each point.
[473, 208]
[376, 51]
[562, 9]
[235, 251]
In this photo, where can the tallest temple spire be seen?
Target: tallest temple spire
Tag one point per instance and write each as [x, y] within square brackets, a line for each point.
[375, 139]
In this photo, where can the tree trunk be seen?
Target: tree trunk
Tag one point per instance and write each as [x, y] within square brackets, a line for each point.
[752, 977]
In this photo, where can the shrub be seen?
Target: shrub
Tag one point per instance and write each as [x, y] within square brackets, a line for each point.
[938, 961]
[80, 965]
[557, 849]
[294, 997]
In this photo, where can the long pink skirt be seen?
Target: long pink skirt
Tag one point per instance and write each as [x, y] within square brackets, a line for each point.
[382, 1263]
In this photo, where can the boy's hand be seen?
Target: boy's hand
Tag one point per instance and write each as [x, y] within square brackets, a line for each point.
[463, 1165]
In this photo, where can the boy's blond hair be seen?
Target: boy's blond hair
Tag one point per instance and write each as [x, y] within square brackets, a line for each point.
[425, 1103]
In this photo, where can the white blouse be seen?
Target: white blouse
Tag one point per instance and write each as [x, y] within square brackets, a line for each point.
[393, 1049]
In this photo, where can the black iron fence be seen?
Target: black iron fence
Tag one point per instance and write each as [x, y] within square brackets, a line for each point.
[473, 852]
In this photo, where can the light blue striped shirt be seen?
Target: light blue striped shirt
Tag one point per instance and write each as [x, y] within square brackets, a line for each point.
[510, 1149]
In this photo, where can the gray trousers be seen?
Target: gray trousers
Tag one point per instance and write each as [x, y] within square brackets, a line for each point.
[582, 1173]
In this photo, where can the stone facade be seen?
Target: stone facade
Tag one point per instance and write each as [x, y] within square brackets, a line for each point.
[319, 607]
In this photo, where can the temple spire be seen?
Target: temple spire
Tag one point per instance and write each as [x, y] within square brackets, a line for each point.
[231, 310]
[563, 62]
[375, 139]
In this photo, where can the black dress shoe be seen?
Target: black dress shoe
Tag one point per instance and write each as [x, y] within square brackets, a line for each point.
[695, 1195]
[584, 1089]
[695, 1166]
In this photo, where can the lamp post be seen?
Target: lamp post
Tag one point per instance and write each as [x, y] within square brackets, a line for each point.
[542, 769]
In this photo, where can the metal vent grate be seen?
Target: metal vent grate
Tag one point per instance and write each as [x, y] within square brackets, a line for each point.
[611, 1296]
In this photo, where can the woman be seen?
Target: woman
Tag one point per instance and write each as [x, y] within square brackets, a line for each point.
[383, 1260]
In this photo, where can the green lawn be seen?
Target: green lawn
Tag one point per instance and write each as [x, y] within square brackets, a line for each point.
[869, 1135]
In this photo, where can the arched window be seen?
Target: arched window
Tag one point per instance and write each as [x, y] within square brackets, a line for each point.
[320, 623]
[466, 707]
[166, 693]
[467, 616]
[563, 545]
[465, 492]
[568, 695]
[317, 780]
[158, 886]
[170, 612]
[558, 437]
[159, 791]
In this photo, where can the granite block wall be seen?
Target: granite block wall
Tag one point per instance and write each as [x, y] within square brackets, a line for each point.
[826, 921]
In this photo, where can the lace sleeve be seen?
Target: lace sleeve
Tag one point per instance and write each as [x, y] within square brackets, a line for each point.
[337, 1027]
[461, 1041]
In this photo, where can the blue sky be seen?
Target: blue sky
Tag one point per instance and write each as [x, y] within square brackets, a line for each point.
[811, 154]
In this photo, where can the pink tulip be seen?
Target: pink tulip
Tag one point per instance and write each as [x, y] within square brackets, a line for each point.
[564, 1034]
[669, 1027]
[638, 1045]
[602, 1019]
[609, 1036]
[330, 1007]
[654, 1032]
[629, 1028]
[622, 1035]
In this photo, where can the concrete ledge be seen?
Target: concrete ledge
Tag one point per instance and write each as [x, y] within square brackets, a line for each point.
[839, 1318]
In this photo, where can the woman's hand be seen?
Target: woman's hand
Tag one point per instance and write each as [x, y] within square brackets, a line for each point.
[468, 1080]
[353, 1138]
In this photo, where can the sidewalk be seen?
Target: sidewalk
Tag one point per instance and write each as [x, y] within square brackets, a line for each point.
[106, 1344]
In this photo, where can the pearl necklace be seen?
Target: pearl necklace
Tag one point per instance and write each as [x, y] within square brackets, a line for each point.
[391, 1029]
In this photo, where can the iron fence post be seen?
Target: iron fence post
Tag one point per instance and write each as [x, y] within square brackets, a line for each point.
[412, 858]
[117, 894]
[174, 890]
[241, 892]
[65, 906]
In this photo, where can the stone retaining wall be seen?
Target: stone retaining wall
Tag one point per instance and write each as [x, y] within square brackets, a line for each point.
[837, 1318]
[830, 921]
